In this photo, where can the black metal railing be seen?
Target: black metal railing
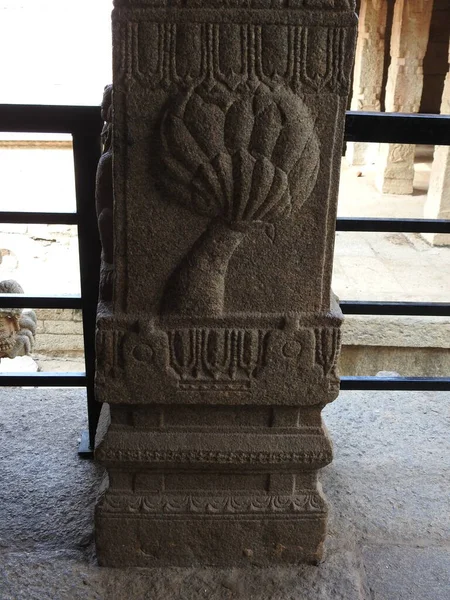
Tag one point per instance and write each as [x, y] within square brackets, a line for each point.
[84, 123]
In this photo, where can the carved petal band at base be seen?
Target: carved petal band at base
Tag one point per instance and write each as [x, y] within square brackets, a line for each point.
[159, 505]
[223, 458]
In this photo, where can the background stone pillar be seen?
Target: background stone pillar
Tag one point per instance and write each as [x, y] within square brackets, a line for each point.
[409, 40]
[219, 348]
[437, 205]
[368, 72]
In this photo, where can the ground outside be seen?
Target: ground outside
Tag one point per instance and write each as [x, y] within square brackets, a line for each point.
[389, 530]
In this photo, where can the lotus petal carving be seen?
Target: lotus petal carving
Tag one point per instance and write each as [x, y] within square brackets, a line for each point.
[240, 156]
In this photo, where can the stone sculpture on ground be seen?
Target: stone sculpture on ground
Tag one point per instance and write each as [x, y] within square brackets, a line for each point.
[219, 348]
[17, 326]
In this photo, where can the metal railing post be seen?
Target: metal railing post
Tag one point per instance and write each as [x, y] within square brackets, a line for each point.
[86, 153]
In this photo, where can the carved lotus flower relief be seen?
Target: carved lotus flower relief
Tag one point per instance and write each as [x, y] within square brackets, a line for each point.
[245, 159]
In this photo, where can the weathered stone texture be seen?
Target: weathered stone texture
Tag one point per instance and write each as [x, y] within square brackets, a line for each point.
[398, 332]
[409, 40]
[219, 349]
[437, 205]
[59, 332]
[17, 326]
[368, 72]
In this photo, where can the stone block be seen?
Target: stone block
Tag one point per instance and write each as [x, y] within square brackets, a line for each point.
[406, 361]
[13, 228]
[218, 334]
[59, 344]
[406, 332]
[63, 327]
[40, 327]
[55, 314]
[66, 230]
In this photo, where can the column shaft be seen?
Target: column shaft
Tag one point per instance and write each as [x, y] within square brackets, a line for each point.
[219, 346]
[437, 205]
[368, 72]
[409, 41]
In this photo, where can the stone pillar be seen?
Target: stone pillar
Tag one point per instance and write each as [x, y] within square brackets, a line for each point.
[409, 40]
[219, 348]
[368, 73]
[437, 205]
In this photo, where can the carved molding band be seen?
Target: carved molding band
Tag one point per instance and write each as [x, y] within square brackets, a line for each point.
[217, 358]
[253, 4]
[225, 357]
[211, 457]
[301, 503]
[328, 347]
[306, 59]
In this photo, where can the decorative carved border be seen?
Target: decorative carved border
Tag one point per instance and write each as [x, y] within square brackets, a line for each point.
[336, 5]
[221, 505]
[213, 457]
[300, 54]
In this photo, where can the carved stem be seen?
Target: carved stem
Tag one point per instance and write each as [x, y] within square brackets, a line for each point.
[197, 286]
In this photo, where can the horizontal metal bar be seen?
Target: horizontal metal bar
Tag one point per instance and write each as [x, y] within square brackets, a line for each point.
[342, 223]
[393, 225]
[347, 383]
[359, 127]
[397, 128]
[401, 384]
[39, 218]
[420, 309]
[50, 119]
[23, 301]
[42, 379]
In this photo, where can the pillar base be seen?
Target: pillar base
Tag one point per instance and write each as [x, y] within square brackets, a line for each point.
[211, 532]
[361, 153]
[437, 239]
[400, 187]
[396, 169]
[191, 496]
[208, 468]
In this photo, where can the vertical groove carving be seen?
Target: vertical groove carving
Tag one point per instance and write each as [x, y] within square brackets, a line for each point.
[295, 51]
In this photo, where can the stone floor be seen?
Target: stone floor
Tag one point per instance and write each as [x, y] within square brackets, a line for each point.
[389, 535]
[388, 266]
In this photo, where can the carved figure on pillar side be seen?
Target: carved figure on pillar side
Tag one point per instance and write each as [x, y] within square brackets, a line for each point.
[222, 343]
[437, 205]
[104, 199]
[368, 73]
[409, 41]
